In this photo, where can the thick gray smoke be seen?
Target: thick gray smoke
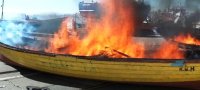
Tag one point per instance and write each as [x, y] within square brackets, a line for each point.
[191, 5]
[155, 4]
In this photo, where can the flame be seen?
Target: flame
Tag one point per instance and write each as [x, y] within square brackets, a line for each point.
[187, 39]
[168, 50]
[111, 35]
[63, 42]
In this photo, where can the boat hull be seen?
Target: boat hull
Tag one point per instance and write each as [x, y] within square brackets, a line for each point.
[117, 70]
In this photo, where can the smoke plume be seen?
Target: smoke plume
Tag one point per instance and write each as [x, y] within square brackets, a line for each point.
[12, 32]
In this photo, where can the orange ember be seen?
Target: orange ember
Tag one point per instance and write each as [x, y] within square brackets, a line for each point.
[188, 39]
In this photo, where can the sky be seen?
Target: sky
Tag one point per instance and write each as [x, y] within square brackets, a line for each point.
[13, 7]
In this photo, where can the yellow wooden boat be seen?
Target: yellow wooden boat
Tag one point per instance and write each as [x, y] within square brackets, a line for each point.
[118, 70]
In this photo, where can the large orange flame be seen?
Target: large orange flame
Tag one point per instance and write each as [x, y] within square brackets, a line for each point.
[187, 39]
[110, 36]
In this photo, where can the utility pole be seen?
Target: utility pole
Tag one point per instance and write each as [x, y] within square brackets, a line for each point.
[2, 7]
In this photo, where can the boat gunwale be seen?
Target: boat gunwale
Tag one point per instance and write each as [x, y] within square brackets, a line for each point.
[98, 58]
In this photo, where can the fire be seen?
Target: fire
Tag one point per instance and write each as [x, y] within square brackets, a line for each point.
[168, 50]
[187, 39]
[109, 36]
[62, 42]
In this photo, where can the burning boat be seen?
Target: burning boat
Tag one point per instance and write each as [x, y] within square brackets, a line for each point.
[118, 58]
[121, 70]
